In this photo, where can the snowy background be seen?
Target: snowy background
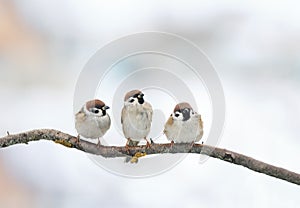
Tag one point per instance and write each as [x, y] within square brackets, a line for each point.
[255, 47]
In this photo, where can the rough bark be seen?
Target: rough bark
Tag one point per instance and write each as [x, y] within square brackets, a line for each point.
[139, 151]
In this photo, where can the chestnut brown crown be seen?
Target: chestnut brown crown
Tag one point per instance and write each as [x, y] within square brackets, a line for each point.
[95, 104]
[132, 93]
[181, 106]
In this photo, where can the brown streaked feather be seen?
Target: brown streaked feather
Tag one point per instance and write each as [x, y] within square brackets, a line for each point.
[182, 106]
[131, 94]
[95, 104]
[169, 122]
[201, 128]
[200, 122]
[149, 109]
[80, 115]
[123, 114]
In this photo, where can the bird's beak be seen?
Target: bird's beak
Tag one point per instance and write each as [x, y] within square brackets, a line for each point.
[106, 107]
[141, 95]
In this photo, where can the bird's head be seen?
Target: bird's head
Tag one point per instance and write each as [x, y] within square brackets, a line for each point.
[96, 108]
[134, 98]
[182, 112]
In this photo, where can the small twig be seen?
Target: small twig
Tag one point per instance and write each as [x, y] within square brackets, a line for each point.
[114, 151]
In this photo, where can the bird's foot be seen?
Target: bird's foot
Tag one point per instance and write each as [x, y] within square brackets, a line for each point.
[77, 142]
[192, 144]
[148, 144]
[99, 143]
[127, 146]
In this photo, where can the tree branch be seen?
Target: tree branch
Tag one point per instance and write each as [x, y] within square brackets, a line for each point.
[114, 151]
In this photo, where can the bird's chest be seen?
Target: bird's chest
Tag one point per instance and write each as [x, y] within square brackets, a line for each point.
[142, 116]
[88, 128]
[183, 129]
[92, 125]
[137, 118]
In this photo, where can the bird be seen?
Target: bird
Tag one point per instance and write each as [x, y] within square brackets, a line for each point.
[184, 125]
[92, 121]
[136, 118]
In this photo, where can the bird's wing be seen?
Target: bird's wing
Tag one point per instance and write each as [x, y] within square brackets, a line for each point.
[109, 120]
[168, 123]
[149, 110]
[123, 113]
[198, 117]
[107, 124]
[200, 127]
[80, 115]
[200, 121]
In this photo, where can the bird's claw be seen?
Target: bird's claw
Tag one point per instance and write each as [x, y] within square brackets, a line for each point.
[148, 144]
[127, 148]
[98, 145]
[77, 141]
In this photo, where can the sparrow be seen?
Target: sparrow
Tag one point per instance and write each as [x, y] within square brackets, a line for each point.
[184, 125]
[136, 118]
[92, 121]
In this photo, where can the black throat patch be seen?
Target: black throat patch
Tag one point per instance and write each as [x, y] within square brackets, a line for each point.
[186, 114]
[141, 100]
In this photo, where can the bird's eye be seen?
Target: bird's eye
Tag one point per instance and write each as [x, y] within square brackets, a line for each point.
[96, 111]
[176, 114]
[131, 101]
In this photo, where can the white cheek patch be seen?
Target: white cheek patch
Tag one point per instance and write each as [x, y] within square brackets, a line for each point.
[97, 114]
[132, 103]
[177, 116]
[100, 113]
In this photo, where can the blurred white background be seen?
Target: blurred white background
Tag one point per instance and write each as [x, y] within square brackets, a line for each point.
[255, 47]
